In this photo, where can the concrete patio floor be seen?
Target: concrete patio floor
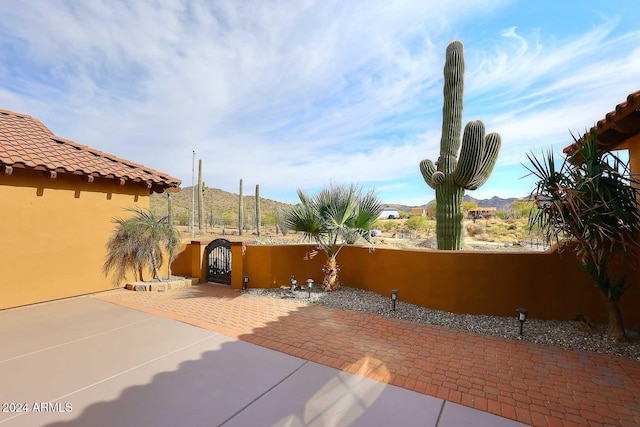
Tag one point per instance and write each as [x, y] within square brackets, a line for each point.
[86, 362]
[117, 366]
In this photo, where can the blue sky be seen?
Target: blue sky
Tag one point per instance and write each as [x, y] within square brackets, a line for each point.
[298, 93]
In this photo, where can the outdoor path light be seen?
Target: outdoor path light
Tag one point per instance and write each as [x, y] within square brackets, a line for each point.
[245, 281]
[522, 317]
[394, 298]
[294, 283]
[309, 285]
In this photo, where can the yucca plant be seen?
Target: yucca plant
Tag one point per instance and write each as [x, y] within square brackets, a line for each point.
[137, 243]
[591, 201]
[336, 214]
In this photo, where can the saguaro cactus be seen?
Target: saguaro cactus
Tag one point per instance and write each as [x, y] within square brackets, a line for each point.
[258, 209]
[200, 190]
[458, 168]
[240, 211]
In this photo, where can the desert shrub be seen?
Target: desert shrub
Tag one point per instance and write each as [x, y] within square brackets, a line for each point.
[385, 225]
[521, 208]
[483, 237]
[469, 205]
[474, 230]
[497, 230]
[182, 218]
[420, 223]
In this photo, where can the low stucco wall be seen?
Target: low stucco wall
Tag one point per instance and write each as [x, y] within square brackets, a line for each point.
[549, 284]
[54, 233]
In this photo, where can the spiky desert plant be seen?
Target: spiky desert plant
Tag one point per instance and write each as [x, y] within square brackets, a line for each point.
[334, 215]
[591, 201]
[458, 168]
[137, 242]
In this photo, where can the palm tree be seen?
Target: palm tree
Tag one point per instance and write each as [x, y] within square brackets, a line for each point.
[336, 214]
[591, 202]
[137, 242]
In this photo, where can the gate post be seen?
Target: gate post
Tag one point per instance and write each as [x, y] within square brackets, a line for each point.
[237, 265]
[196, 260]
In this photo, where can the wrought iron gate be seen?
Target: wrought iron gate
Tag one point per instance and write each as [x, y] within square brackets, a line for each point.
[218, 254]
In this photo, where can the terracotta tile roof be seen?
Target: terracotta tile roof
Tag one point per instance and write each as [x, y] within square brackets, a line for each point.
[26, 143]
[618, 125]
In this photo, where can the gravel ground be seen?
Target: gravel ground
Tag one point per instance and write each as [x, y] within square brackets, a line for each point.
[570, 334]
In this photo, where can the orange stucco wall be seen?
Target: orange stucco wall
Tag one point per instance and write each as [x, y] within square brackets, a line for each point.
[181, 266]
[550, 284]
[272, 266]
[266, 266]
[54, 233]
[190, 261]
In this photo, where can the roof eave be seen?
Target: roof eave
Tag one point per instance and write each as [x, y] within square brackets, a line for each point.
[617, 127]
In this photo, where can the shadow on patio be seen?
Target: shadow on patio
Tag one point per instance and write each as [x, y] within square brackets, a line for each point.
[530, 383]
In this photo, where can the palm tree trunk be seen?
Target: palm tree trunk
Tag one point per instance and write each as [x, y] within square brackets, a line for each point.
[616, 326]
[331, 282]
[154, 266]
[169, 265]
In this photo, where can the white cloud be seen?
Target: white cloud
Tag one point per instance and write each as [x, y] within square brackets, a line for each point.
[297, 93]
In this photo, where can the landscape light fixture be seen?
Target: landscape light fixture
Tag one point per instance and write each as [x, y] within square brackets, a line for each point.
[309, 285]
[394, 298]
[245, 281]
[522, 317]
[294, 283]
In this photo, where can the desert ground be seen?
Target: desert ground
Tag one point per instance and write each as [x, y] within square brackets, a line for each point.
[391, 239]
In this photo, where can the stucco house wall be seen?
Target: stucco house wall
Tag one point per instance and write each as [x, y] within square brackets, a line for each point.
[55, 221]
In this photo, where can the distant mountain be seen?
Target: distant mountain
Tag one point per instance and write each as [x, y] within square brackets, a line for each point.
[400, 208]
[219, 203]
[495, 202]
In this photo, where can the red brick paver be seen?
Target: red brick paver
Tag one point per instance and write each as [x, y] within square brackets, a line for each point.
[534, 384]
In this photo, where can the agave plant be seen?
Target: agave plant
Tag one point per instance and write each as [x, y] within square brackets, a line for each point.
[137, 243]
[335, 215]
[591, 201]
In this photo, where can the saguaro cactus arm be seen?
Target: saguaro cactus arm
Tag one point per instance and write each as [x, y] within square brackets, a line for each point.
[471, 153]
[427, 168]
[453, 100]
[489, 158]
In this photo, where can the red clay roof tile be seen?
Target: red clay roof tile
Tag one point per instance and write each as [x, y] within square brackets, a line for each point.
[618, 125]
[25, 141]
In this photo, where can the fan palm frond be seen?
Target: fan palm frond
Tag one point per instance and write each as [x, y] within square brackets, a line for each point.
[336, 212]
